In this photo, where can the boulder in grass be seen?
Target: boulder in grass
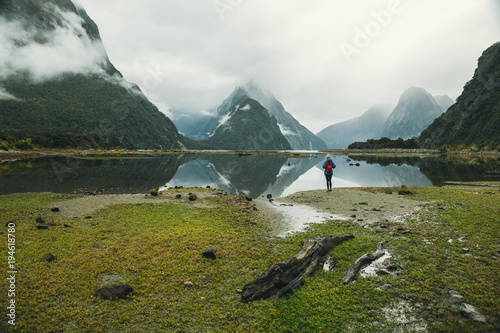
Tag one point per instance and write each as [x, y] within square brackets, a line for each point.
[193, 197]
[154, 192]
[55, 209]
[114, 291]
[209, 254]
[49, 257]
[40, 220]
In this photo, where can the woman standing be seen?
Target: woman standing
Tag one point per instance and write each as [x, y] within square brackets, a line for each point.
[329, 166]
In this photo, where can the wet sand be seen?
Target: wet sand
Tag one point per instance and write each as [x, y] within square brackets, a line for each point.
[353, 204]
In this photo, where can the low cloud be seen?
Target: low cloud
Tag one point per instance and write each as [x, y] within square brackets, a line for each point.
[5, 95]
[47, 54]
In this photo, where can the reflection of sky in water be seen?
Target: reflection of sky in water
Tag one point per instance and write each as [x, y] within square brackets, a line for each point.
[301, 175]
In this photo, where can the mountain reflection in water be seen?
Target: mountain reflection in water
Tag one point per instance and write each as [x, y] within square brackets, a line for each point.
[253, 175]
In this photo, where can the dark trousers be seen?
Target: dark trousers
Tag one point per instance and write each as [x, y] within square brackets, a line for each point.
[328, 181]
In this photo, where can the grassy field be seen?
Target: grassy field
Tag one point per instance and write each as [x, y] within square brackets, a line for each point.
[155, 247]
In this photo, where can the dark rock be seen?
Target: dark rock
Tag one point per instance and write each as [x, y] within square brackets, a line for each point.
[353, 216]
[40, 219]
[208, 186]
[178, 196]
[49, 257]
[193, 197]
[154, 192]
[114, 291]
[42, 227]
[269, 196]
[209, 254]
[248, 198]
[392, 268]
[406, 192]
[357, 164]
[55, 209]
[363, 203]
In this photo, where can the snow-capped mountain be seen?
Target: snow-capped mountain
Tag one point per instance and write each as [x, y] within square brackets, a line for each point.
[298, 136]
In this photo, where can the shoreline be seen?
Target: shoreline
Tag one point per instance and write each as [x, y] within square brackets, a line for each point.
[38, 153]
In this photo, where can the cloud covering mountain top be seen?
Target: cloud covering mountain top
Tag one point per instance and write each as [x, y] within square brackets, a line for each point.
[60, 45]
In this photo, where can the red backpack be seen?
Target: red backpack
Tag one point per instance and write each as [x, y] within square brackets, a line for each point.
[329, 166]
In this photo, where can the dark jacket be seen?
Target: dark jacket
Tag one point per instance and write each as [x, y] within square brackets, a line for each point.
[333, 167]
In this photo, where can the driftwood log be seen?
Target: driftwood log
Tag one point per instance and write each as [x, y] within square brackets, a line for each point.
[364, 260]
[280, 279]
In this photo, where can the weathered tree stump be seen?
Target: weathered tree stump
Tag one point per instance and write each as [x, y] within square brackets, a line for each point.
[280, 279]
[364, 260]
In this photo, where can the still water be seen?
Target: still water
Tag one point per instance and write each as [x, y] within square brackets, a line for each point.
[256, 176]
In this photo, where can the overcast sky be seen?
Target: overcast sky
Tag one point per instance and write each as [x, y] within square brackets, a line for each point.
[325, 60]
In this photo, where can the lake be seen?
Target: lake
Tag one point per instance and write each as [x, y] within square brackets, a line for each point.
[253, 175]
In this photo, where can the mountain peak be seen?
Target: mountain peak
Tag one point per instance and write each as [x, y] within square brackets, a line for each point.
[416, 109]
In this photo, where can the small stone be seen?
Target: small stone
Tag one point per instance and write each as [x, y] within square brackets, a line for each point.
[49, 257]
[392, 268]
[114, 291]
[465, 250]
[473, 313]
[388, 192]
[239, 291]
[178, 196]
[193, 197]
[384, 287]
[40, 219]
[154, 192]
[42, 227]
[208, 186]
[55, 209]
[209, 254]
[68, 225]
[189, 284]
[353, 216]
[363, 203]
[248, 198]
[269, 196]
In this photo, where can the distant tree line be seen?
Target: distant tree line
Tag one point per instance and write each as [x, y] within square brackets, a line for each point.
[32, 140]
[385, 143]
